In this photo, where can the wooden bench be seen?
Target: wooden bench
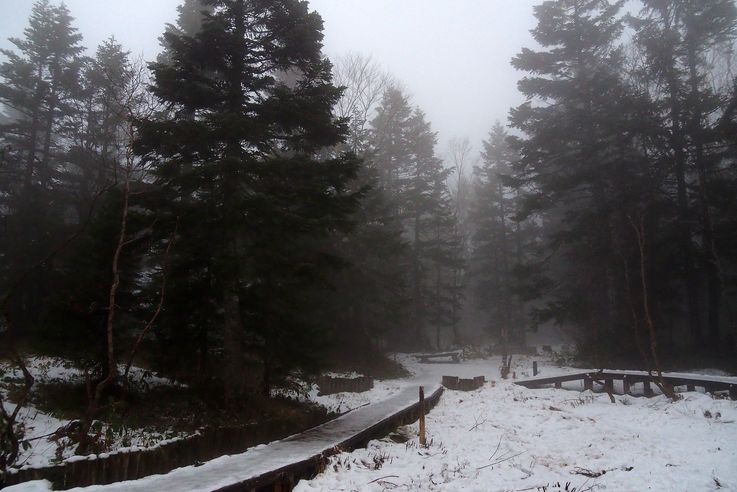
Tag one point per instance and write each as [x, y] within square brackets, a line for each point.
[455, 357]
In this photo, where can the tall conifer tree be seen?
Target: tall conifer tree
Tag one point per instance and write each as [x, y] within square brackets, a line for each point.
[240, 157]
[38, 82]
[574, 154]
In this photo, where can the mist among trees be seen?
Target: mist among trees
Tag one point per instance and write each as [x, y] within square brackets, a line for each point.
[244, 206]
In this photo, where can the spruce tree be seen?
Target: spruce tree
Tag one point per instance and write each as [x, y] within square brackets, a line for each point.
[416, 185]
[365, 301]
[39, 79]
[190, 15]
[573, 155]
[95, 132]
[237, 164]
[679, 40]
[500, 242]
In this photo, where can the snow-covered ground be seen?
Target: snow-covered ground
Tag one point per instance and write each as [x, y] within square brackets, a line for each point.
[344, 402]
[55, 369]
[505, 437]
[502, 437]
[43, 449]
[39, 426]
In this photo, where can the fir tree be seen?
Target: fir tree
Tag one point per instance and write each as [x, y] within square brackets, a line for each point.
[39, 82]
[679, 40]
[241, 157]
[95, 131]
[574, 157]
[500, 241]
[416, 186]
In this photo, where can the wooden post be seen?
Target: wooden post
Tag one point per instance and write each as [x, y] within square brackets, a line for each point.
[733, 391]
[646, 387]
[534, 368]
[609, 386]
[626, 385]
[558, 385]
[588, 384]
[423, 437]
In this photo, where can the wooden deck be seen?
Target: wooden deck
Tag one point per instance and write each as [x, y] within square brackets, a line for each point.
[606, 379]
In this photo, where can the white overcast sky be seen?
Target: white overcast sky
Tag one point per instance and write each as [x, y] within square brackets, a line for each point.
[452, 56]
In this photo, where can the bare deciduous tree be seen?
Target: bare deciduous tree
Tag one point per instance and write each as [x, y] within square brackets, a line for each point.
[461, 159]
[365, 82]
[638, 226]
[133, 102]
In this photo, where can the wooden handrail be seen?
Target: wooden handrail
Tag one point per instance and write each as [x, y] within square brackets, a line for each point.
[709, 385]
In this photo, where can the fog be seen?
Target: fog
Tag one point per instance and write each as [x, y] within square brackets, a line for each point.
[224, 222]
[451, 56]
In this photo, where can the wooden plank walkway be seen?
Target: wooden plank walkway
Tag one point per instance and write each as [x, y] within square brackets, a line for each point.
[630, 378]
[279, 465]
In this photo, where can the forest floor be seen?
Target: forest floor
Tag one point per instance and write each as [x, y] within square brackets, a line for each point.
[55, 401]
[155, 411]
[507, 437]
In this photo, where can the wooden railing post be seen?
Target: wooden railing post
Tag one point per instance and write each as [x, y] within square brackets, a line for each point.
[588, 384]
[534, 368]
[646, 387]
[423, 437]
[609, 386]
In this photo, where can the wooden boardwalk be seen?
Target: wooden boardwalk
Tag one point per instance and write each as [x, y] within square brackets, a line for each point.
[629, 379]
[278, 466]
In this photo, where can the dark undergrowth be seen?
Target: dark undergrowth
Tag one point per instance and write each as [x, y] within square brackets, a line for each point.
[168, 409]
[176, 408]
[673, 359]
[370, 363]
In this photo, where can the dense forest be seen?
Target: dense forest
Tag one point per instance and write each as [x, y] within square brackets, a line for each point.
[243, 207]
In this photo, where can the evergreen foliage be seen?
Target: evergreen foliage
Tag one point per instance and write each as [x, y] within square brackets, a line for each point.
[620, 158]
[255, 215]
[240, 153]
[416, 182]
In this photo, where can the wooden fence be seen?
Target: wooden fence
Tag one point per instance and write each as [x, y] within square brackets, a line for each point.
[330, 385]
[456, 383]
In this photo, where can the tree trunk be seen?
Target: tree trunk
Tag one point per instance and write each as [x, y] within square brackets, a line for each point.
[33, 132]
[713, 280]
[94, 397]
[233, 329]
[677, 143]
[233, 376]
[416, 287]
[666, 388]
[44, 172]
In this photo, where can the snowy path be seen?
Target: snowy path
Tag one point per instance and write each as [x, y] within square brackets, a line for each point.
[502, 437]
[505, 437]
[232, 469]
